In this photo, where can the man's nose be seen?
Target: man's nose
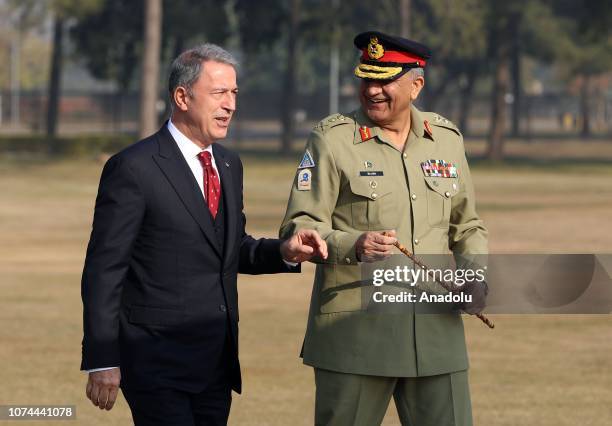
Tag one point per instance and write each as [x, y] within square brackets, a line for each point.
[229, 102]
[372, 88]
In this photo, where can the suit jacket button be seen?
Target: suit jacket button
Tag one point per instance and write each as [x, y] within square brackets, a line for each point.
[222, 308]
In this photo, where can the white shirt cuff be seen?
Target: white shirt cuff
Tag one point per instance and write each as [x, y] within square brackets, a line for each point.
[100, 369]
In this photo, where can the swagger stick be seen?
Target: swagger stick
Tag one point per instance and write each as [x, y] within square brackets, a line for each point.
[449, 287]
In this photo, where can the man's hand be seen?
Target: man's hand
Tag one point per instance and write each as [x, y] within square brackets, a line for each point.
[478, 290]
[372, 246]
[103, 387]
[303, 246]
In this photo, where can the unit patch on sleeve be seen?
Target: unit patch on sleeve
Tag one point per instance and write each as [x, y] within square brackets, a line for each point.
[307, 161]
[304, 180]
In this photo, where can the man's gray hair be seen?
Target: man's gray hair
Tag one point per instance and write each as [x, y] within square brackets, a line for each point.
[417, 72]
[186, 68]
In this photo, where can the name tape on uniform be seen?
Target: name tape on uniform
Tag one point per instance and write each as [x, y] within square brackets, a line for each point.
[439, 168]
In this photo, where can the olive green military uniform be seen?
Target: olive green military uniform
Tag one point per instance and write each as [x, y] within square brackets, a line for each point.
[358, 181]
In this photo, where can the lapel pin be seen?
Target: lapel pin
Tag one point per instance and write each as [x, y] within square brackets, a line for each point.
[226, 164]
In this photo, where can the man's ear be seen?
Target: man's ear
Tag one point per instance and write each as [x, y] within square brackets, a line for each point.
[180, 97]
[417, 86]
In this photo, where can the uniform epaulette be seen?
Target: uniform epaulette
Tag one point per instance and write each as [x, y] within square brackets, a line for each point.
[438, 120]
[332, 121]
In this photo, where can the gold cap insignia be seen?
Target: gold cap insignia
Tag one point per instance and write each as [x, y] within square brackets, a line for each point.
[375, 49]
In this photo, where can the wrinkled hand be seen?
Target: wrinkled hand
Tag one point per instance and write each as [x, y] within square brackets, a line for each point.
[373, 246]
[303, 246]
[103, 387]
[478, 290]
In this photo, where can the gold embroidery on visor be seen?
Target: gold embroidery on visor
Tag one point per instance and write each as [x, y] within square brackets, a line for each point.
[376, 72]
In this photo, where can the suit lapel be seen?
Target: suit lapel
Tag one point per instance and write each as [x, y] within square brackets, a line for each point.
[172, 163]
[227, 186]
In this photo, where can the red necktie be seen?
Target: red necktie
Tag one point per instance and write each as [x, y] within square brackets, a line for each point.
[212, 189]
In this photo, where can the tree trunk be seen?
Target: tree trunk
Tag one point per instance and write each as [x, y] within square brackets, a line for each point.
[54, 83]
[465, 101]
[516, 75]
[150, 67]
[405, 29]
[334, 60]
[585, 108]
[501, 86]
[289, 92]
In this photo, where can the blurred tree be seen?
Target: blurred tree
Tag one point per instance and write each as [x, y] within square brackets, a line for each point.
[588, 50]
[504, 21]
[290, 83]
[63, 11]
[21, 16]
[110, 41]
[456, 33]
[262, 26]
[150, 67]
[405, 13]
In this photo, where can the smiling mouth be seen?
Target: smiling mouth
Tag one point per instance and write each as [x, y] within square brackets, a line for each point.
[222, 121]
[376, 101]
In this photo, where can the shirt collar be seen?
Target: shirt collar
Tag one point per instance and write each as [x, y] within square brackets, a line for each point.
[417, 125]
[188, 148]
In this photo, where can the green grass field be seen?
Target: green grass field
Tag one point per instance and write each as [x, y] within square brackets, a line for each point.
[530, 370]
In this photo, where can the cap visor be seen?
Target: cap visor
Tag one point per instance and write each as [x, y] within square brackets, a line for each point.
[375, 72]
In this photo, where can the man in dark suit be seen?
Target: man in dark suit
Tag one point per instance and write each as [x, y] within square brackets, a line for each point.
[168, 240]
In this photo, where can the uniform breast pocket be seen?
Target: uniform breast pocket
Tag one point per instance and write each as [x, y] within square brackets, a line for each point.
[373, 207]
[440, 192]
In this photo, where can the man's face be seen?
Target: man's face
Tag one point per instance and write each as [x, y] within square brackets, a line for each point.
[213, 103]
[386, 102]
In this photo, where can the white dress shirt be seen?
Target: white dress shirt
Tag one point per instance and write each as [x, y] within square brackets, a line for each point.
[190, 151]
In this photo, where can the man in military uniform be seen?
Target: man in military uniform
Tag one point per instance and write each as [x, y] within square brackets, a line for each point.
[383, 172]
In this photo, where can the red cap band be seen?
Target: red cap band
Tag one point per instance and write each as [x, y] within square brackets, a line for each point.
[395, 56]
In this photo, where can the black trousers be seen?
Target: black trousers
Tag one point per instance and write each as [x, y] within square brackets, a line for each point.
[171, 407]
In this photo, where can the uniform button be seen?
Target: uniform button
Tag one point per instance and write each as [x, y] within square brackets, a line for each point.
[374, 195]
[405, 155]
[373, 184]
[454, 186]
[348, 260]
[222, 308]
[447, 194]
[416, 241]
[413, 196]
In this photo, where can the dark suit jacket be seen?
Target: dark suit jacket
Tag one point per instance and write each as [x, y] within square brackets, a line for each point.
[159, 292]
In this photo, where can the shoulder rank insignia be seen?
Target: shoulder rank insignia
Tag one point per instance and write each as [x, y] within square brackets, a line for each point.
[365, 133]
[307, 161]
[439, 168]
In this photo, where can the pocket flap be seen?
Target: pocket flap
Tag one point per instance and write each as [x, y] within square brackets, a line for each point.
[369, 187]
[446, 187]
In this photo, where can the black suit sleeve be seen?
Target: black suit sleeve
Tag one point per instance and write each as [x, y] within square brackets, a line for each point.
[259, 256]
[118, 215]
